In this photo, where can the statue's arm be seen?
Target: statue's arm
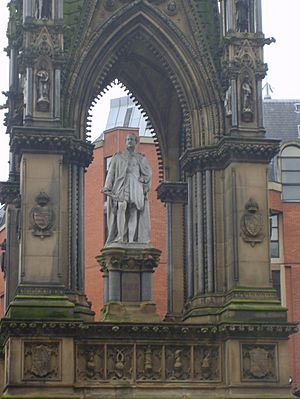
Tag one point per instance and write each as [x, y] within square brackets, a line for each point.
[110, 178]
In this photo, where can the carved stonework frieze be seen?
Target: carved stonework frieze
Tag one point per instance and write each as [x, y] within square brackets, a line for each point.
[175, 192]
[259, 362]
[252, 224]
[178, 363]
[229, 149]
[76, 151]
[149, 362]
[120, 362]
[90, 362]
[42, 216]
[42, 361]
[207, 364]
[9, 192]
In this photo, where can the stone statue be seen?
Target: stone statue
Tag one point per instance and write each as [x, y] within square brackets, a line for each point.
[127, 185]
[242, 15]
[247, 100]
[43, 9]
[43, 88]
[228, 101]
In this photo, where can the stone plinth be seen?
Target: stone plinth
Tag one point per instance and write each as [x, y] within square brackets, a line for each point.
[127, 271]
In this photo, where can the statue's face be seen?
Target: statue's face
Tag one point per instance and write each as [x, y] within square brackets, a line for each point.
[131, 142]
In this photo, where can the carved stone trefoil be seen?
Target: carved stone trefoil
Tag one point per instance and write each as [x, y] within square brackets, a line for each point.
[42, 216]
[252, 224]
[259, 362]
[42, 361]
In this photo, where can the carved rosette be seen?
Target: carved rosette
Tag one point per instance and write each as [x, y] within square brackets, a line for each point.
[42, 361]
[207, 363]
[252, 224]
[90, 362]
[42, 216]
[259, 362]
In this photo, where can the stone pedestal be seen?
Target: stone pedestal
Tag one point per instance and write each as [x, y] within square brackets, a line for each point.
[127, 270]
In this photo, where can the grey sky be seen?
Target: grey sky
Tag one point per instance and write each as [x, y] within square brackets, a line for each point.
[280, 21]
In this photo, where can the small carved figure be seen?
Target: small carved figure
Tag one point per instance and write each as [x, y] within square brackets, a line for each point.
[43, 86]
[242, 15]
[127, 185]
[172, 7]
[228, 101]
[43, 9]
[148, 362]
[90, 365]
[247, 100]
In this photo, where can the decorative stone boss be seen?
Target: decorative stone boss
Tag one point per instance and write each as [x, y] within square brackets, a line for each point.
[128, 260]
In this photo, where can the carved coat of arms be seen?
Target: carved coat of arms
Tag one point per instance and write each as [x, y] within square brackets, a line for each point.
[41, 361]
[252, 224]
[259, 364]
[42, 216]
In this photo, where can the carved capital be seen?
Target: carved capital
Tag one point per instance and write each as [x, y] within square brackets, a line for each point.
[9, 192]
[228, 150]
[175, 192]
[52, 141]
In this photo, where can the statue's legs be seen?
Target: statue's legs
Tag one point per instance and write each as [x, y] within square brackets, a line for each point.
[132, 223]
[121, 219]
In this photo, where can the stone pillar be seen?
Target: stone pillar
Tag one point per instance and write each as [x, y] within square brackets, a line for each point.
[175, 196]
[50, 243]
[128, 270]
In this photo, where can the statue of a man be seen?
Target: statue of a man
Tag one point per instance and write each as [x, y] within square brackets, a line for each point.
[242, 15]
[126, 186]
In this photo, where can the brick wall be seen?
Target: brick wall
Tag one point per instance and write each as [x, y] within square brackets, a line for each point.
[290, 226]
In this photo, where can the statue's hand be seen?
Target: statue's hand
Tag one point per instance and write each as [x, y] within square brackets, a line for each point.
[105, 190]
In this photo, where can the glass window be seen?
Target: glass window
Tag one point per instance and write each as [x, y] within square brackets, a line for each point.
[276, 282]
[274, 236]
[290, 173]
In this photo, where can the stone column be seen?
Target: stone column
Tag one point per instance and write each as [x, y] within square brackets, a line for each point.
[175, 196]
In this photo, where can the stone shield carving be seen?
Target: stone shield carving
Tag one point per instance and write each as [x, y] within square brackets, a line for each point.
[42, 216]
[41, 361]
[259, 362]
[252, 224]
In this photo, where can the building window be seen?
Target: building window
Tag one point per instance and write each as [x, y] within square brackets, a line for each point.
[274, 236]
[127, 117]
[276, 282]
[297, 108]
[290, 173]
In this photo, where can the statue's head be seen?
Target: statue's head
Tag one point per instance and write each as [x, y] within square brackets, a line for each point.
[131, 141]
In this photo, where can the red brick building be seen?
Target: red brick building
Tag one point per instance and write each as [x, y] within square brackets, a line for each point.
[110, 142]
[282, 121]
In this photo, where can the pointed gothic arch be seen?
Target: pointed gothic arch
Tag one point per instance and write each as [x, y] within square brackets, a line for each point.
[171, 79]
